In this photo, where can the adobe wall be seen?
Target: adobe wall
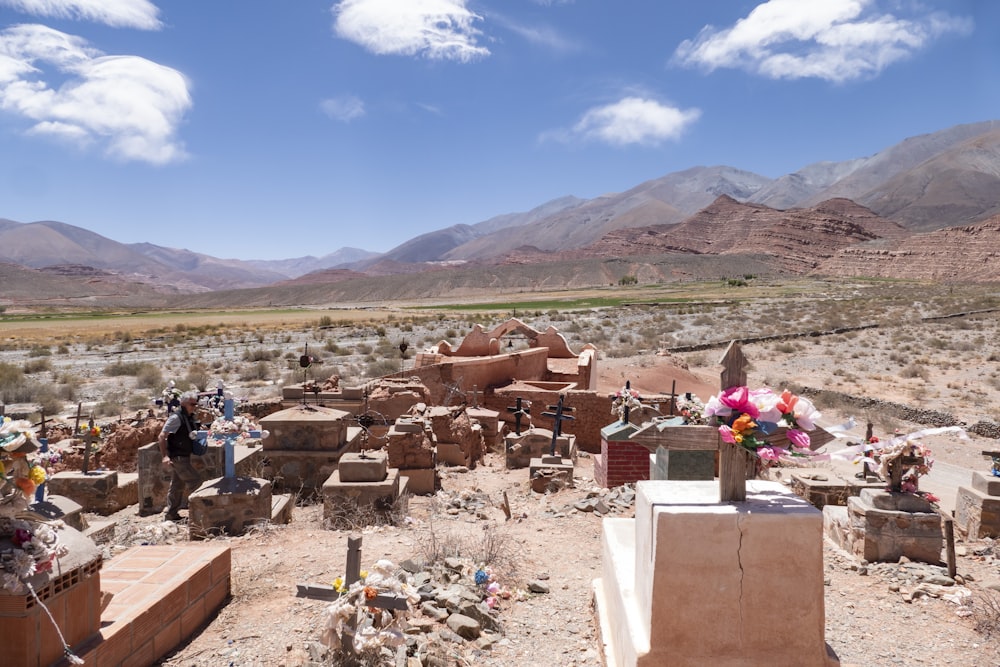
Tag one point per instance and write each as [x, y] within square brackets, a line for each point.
[479, 371]
[591, 412]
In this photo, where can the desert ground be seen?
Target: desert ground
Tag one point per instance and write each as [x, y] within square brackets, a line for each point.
[899, 355]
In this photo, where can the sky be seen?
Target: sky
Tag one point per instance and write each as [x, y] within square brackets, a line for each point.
[274, 129]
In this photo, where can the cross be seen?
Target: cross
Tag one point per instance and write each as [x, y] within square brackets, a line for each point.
[519, 412]
[228, 439]
[352, 574]
[88, 439]
[43, 440]
[559, 418]
[475, 394]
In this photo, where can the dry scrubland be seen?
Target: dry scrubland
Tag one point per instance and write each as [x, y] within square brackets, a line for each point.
[117, 365]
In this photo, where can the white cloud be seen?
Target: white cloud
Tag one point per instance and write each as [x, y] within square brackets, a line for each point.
[140, 14]
[344, 108]
[542, 35]
[128, 105]
[630, 121]
[836, 40]
[436, 29]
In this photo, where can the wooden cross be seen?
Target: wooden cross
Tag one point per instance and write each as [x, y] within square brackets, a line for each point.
[519, 412]
[352, 574]
[88, 439]
[559, 416]
[475, 396]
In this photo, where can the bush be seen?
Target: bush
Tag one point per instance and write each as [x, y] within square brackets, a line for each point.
[120, 368]
[149, 377]
[37, 366]
[39, 351]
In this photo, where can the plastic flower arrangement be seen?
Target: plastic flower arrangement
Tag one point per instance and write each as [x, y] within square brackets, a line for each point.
[35, 544]
[236, 429]
[625, 398]
[896, 453]
[690, 408]
[749, 416]
[376, 628]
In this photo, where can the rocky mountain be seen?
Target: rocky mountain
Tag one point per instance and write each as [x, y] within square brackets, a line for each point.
[297, 266]
[956, 254]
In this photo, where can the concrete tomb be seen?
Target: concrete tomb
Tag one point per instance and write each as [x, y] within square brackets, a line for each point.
[305, 444]
[883, 525]
[823, 487]
[98, 491]
[690, 581]
[362, 484]
[977, 508]
[533, 443]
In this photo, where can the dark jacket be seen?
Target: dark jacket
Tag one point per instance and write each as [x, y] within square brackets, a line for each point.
[179, 443]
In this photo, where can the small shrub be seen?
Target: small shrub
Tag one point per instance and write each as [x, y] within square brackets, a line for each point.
[149, 377]
[37, 366]
[39, 351]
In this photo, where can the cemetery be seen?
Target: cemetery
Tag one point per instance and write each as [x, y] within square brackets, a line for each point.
[486, 483]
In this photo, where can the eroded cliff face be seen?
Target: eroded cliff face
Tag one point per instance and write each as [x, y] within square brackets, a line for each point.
[956, 254]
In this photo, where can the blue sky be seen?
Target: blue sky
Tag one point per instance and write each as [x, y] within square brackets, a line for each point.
[270, 129]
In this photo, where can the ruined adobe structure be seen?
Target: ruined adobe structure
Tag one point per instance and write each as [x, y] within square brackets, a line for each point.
[486, 369]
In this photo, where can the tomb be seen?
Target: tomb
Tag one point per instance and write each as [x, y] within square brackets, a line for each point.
[231, 505]
[362, 482]
[154, 477]
[883, 525]
[410, 449]
[621, 460]
[98, 491]
[548, 471]
[687, 562]
[522, 448]
[305, 444]
[458, 440]
[977, 509]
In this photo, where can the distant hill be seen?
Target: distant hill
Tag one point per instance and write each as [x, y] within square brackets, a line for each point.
[801, 221]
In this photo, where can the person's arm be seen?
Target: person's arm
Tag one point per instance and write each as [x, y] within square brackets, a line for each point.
[173, 423]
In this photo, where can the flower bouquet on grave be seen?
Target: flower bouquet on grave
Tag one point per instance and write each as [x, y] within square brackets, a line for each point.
[756, 419]
[690, 408]
[237, 430]
[625, 400]
[19, 474]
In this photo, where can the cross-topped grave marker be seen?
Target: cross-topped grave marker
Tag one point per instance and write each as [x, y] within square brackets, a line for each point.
[559, 417]
[518, 411]
[229, 439]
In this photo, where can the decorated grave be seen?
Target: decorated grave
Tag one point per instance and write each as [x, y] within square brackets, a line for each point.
[977, 507]
[96, 489]
[700, 554]
[230, 504]
[897, 519]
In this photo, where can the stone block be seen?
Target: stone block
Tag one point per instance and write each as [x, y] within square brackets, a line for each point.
[885, 535]
[306, 428]
[407, 425]
[281, 508]
[60, 508]
[367, 467]
[410, 449]
[450, 453]
[360, 493]
[683, 465]
[895, 502]
[536, 442]
[553, 463]
[422, 481]
[986, 483]
[228, 506]
[95, 490]
[977, 515]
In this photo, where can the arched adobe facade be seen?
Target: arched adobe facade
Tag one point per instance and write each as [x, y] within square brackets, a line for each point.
[481, 356]
[479, 343]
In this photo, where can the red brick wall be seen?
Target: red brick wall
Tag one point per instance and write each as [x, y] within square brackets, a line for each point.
[621, 463]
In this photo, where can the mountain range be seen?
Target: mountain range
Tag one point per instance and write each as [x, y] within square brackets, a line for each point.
[856, 215]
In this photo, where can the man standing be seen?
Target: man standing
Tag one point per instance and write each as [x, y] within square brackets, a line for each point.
[175, 447]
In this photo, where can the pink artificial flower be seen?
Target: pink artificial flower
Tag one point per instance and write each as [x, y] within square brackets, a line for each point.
[738, 399]
[931, 498]
[798, 439]
[714, 407]
[727, 434]
[908, 487]
[770, 453]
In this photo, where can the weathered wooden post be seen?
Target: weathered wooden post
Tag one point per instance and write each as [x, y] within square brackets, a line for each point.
[733, 459]
[88, 439]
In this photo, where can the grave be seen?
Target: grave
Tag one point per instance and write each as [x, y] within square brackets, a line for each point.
[977, 509]
[883, 525]
[230, 504]
[458, 441]
[361, 482]
[98, 491]
[306, 443]
[410, 449]
[688, 562]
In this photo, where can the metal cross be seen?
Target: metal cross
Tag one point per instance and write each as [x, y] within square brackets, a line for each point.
[519, 412]
[559, 418]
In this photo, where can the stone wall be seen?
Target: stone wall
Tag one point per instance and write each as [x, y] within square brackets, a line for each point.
[154, 478]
